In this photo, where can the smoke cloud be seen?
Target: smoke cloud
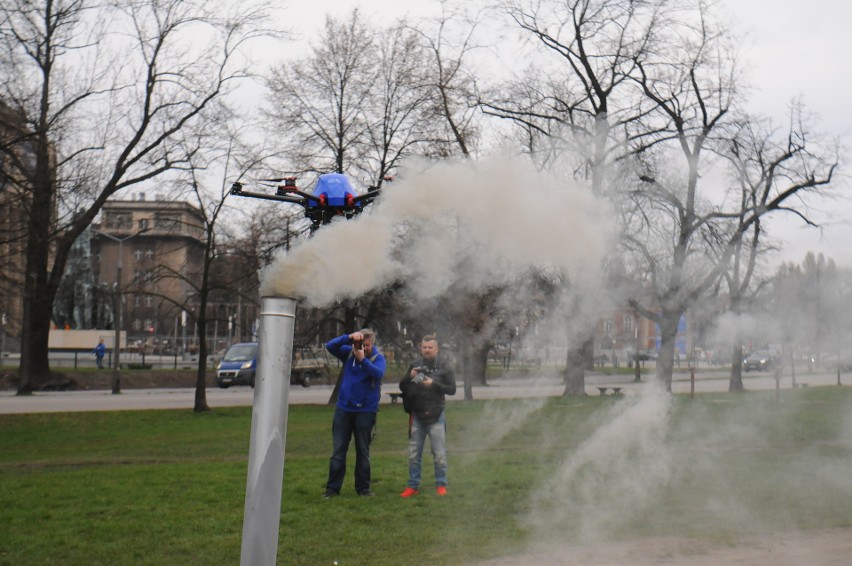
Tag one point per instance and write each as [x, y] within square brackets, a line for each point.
[648, 463]
[473, 223]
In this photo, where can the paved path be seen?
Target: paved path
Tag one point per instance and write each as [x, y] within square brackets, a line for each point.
[135, 399]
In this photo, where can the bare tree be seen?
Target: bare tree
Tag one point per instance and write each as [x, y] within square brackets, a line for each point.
[325, 116]
[106, 90]
[585, 105]
[449, 41]
[806, 304]
[694, 88]
[397, 122]
[233, 159]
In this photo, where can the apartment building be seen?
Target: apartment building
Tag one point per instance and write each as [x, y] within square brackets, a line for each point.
[154, 249]
[16, 157]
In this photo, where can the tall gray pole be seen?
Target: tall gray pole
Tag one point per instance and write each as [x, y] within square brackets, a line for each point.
[3, 340]
[116, 380]
[116, 365]
[268, 432]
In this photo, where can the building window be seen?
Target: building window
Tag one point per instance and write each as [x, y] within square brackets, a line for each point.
[628, 323]
[143, 224]
[137, 254]
[137, 275]
[149, 276]
[149, 301]
[137, 301]
[119, 220]
[149, 253]
[608, 325]
[137, 324]
[168, 222]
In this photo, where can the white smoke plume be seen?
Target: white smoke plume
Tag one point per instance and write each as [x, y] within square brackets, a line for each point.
[496, 218]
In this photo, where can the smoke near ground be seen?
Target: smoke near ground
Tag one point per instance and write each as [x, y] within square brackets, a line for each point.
[463, 224]
[653, 464]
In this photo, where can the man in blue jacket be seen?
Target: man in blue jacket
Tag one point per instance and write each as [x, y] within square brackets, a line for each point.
[357, 406]
[100, 352]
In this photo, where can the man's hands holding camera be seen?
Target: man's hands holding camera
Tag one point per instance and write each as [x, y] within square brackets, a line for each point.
[418, 375]
[357, 345]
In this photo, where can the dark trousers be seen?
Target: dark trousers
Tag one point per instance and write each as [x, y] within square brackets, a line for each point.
[345, 425]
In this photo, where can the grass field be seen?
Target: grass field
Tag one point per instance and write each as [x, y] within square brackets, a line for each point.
[168, 487]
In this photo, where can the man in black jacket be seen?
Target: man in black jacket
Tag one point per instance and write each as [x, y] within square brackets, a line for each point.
[423, 389]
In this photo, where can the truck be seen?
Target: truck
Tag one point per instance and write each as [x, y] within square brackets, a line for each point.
[239, 366]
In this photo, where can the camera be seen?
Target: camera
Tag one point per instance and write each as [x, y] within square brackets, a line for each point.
[358, 344]
[422, 373]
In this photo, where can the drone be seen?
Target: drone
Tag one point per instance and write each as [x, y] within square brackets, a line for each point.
[332, 197]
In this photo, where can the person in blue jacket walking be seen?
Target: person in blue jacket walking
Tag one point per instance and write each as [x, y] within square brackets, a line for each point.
[357, 406]
[100, 352]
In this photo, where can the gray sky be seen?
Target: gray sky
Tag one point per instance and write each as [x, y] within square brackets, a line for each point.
[793, 49]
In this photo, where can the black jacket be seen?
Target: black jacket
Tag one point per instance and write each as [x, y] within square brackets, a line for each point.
[427, 403]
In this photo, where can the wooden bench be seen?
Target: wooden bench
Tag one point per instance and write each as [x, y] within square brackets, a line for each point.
[395, 397]
[615, 390]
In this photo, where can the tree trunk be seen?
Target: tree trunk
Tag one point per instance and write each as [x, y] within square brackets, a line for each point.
[38, 296]
[480, 363]
[665, 360]
[575, 367]
[34, 369]
[474, 364]
[201, 405]
[789, 348]
[736, 384]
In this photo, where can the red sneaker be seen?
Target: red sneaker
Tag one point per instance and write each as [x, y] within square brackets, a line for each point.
[441, 490]
[409, 492]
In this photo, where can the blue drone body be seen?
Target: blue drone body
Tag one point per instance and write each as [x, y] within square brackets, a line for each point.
[332, 196]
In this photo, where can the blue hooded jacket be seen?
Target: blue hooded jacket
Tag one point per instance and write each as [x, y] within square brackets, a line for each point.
[361, 387]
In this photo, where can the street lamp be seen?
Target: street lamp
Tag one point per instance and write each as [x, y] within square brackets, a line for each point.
[116, 378]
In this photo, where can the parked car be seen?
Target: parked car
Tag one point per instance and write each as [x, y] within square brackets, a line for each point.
[760, 360]
[239, 365]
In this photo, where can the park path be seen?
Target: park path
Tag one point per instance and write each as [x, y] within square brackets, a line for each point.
[505, 388]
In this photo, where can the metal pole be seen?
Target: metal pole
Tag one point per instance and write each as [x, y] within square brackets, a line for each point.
[2, 337]
[268, 432]
[637, 370]
[691, 380]
[183, 349]
[116, 377]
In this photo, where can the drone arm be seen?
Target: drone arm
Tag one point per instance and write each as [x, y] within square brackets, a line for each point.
[279, 198]
[367, 197]
[303, 195]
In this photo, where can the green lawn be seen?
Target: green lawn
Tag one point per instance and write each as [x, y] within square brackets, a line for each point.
[168, 487]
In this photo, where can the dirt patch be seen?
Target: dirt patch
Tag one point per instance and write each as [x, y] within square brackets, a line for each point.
[819, 548]
[102, 379]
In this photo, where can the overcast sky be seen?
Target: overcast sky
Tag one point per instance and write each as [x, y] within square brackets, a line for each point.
[794, 49]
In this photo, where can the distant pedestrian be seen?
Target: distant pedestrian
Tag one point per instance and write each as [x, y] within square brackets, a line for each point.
[99, 352]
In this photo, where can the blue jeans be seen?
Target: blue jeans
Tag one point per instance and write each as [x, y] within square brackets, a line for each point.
[345, 425]
[437, 433]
